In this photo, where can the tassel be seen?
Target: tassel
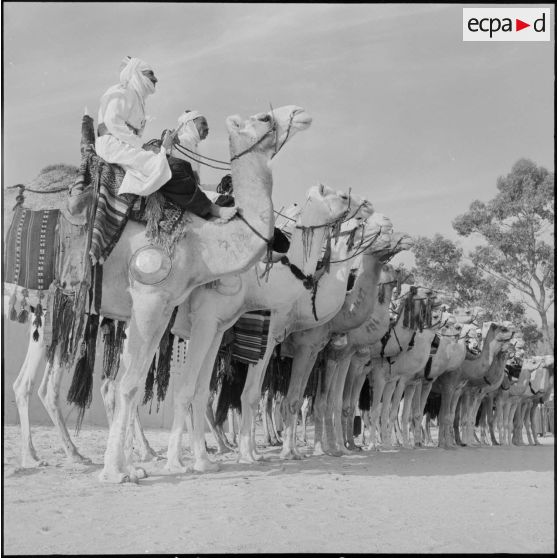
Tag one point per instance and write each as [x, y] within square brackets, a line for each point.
[11, 305]
[24, 312]
[81, 388]
[163, 365]
[149, 382]
[107, 329]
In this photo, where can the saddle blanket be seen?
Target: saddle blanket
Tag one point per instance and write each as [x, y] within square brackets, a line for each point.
[250, 336]
[30, 250]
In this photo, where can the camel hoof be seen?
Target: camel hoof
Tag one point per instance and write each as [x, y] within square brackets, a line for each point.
[291, 455]
[206, 466]
[31, 463]
[335, 453]
[114, 477]
[79, 459]
[176, 467]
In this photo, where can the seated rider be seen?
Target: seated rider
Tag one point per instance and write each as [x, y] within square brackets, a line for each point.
[121, 123]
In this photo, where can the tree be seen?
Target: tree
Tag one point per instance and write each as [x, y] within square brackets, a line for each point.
[440, 266]
[517, 227]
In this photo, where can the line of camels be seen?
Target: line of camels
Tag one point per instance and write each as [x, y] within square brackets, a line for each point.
[397, 340]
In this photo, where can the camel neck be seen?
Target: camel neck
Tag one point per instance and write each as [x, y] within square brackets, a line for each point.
[306, 247]
[362, 299]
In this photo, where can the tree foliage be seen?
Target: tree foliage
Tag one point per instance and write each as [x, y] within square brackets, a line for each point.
[516, 228]
[440, 265]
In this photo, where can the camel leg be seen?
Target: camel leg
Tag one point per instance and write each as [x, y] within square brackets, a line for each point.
[385, 424]
[49, 394]
[199, 400]
[205, 336]
[417, 411]
[451, 393]
[335, 408]
[356, 379]
[265, 403]
[517, 437]
[408, 396]
[222, 445]
[150, 317]
[532, 423]
[303, 361]
[23, 386]
[304, 410]
[394, 408]
[323, 433]
[529, 426]
[276, 431]
[377, 380]
[249, 399]
[509, 415]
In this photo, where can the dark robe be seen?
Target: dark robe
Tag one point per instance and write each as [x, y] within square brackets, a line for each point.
[183, 189]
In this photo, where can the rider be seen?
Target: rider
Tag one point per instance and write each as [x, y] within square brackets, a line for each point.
[121, 123]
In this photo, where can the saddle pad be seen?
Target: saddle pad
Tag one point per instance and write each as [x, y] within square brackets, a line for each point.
[30, 251]
[112, 210]
[250, 332]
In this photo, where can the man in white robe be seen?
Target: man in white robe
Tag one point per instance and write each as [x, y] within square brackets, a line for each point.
[121, 123]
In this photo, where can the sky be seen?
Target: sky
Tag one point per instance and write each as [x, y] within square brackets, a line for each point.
[404, 112]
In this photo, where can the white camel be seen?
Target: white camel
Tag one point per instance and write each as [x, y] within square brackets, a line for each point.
[209, 312]
[210, 250]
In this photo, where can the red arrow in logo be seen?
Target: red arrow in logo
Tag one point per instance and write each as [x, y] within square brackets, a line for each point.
[519, 25]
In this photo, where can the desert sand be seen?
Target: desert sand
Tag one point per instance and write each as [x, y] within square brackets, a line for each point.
[482, 499]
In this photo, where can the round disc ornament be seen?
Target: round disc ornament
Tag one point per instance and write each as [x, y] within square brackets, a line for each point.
[150, 265]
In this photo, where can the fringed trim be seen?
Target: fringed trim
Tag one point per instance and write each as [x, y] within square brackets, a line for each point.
[162, 376]
[23, 315]
[81, 389]
[113, 339]
[38, 321]
[149, 383]
[63, 319]
[165, 227]
[11, 306]
[159, 371]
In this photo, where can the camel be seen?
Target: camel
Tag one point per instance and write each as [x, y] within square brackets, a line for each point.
[209, 312]
[211, 250]
[413, 305]
[416, 380]
[474, 392]
[451, 384]
[538, 389]
[330, 298]
[351, 310]
[359, 341]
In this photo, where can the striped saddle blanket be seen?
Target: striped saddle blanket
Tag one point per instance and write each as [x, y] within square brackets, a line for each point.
[250, 336]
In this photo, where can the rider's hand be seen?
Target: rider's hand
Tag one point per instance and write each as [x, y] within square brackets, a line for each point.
[225, 214]
[168, 139]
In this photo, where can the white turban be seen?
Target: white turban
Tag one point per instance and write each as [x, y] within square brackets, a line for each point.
[132, 76]
[188, 134]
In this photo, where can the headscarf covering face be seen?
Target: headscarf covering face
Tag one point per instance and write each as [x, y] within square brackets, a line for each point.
[131, 76]
[189, 135]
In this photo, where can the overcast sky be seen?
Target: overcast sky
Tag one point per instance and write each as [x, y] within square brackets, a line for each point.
[404, 111]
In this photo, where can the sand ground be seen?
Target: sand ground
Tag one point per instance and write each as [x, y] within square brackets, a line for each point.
[488, 499]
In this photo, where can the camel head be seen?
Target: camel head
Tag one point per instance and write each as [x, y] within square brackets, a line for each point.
[265, 132]
[498, 337]
[450, 327]
[399, 241]
[323, 206]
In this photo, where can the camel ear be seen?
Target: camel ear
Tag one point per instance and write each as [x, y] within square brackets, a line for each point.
[233, 123]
